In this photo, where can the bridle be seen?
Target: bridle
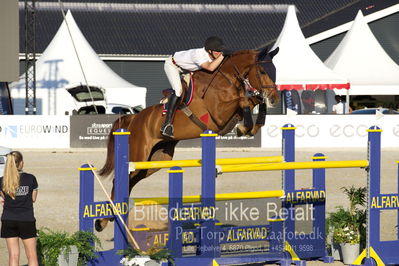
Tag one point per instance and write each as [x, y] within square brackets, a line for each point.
[258, 74]
[242, 78]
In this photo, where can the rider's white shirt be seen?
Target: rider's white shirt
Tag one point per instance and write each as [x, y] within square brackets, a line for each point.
[192, 59]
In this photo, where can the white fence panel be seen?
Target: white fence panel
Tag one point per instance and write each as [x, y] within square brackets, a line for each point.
[37, 132]
[333, 131]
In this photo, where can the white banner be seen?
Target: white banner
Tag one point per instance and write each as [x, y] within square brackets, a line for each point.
[313, 131]
[38, 132]
[340, 131]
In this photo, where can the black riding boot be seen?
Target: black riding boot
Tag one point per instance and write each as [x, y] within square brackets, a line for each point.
[167, 127]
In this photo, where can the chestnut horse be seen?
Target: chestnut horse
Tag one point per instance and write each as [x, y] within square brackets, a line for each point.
[219, 96]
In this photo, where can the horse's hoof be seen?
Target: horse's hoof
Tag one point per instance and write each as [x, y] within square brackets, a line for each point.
[239, 132]
[97, 226]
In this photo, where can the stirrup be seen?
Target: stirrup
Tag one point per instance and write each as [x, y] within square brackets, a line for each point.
[167, 131]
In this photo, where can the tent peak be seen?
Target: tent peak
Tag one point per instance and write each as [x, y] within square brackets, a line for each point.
[298, 67]
[69, 59]
[359, 14]
[361, 58]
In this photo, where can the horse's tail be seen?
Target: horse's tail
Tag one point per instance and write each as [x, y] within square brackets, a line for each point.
[108, 167]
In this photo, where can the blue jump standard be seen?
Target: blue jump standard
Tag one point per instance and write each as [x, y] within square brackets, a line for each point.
[378, 252]
[121, 184]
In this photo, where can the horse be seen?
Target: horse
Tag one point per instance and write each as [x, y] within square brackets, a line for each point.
[219, 101]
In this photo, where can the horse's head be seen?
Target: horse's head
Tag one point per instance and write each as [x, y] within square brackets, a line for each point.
[262, 74]
[257, 68]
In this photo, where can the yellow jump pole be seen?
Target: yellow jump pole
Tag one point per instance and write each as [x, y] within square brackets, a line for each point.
[197, 162]
[219, 197]
[291, 166]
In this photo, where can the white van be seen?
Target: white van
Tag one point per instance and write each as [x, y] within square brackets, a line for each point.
[95, 102]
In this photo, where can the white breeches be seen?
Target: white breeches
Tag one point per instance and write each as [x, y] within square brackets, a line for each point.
[173, 73]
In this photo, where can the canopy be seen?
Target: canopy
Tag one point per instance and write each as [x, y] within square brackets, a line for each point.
[298, 67]
[361, 59]
[59, 68]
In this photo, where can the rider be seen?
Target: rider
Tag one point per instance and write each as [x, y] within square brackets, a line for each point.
[208, 57]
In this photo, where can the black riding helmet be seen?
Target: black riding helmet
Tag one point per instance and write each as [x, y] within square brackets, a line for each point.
[214, 43]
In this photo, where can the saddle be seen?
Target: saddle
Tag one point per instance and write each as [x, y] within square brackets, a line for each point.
[185, 100]
[186, 97]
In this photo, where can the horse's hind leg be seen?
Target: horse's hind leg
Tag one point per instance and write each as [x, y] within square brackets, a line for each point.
[162, 151]
[101, 223]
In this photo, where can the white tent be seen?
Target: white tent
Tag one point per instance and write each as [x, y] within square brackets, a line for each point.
[298, 67]
[361, 59]
[59, 68]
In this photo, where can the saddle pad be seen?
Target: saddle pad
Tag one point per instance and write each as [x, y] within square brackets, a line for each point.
[188, 95]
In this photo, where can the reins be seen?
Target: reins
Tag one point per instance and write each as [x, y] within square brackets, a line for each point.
[213, 77]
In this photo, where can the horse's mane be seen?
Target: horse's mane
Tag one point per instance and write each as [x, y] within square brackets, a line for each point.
[239, 52]
[227, 61]
[236, 57]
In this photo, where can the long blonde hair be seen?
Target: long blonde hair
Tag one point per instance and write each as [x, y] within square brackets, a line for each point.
[11, 175]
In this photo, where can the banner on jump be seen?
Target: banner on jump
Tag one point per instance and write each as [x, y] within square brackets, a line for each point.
[230, 140]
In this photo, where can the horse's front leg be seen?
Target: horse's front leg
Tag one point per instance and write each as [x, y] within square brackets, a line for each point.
[247, 125]
[260, 119]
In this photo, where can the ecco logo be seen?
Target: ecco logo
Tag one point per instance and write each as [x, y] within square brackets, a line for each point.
[301, 131]
[395, 130]
[348, 131]
[311, 131]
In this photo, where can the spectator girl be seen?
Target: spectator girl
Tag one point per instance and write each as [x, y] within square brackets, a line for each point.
[19, 191]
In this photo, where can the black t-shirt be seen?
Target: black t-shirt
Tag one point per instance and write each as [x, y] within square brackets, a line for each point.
[20, 209]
